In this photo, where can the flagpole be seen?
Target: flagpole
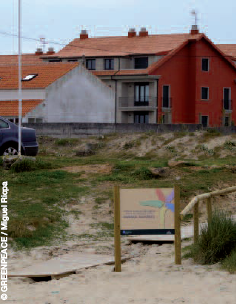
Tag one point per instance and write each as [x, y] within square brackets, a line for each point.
[19, 78]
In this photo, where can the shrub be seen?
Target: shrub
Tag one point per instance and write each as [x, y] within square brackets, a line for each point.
[143, 173]
[216, 242]
[1, 161]
[66, 141]
[30, 165]
[229, 262]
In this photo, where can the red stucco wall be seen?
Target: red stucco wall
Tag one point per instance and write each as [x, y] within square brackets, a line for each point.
[183, 72]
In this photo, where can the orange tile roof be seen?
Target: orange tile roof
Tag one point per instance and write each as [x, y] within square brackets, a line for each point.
[122, 45]
[25, 58]
[228, 49]
[10, 107]
[47, 74]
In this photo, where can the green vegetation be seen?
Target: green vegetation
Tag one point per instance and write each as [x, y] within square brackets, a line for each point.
[229, 262]
[66, 141]
[30, 165]
[216, 243]
[41, 192]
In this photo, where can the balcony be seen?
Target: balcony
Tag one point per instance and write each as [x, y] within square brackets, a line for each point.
[166, 103]
[147, 103]
[227, 105]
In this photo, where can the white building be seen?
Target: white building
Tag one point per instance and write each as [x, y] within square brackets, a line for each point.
[55, 92]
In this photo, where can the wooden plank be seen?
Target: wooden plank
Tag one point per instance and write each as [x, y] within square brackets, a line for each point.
[196, 222]
[117, 229]
[64, 265]
[205, 196]
[177, 226]
[209, 209]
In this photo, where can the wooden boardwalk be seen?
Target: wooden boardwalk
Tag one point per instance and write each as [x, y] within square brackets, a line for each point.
[64, 265]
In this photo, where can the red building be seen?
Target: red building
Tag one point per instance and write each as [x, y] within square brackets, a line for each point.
[197, 84]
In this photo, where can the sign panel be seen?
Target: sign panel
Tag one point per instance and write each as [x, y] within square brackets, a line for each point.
[147, 211]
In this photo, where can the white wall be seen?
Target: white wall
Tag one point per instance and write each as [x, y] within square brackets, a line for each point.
[78, 96]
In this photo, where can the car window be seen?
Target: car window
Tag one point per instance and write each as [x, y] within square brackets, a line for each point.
[3, 124]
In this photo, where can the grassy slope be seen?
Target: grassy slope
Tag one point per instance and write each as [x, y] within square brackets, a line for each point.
[38, 199]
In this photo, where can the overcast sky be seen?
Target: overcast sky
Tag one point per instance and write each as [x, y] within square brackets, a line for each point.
[62, 20]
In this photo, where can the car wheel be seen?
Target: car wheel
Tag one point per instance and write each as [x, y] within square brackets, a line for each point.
[10, 150]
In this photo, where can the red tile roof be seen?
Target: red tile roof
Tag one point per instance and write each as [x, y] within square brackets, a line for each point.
[228, 49]
[47, 74]
[10, 107]
[25, 58]
[123, 46]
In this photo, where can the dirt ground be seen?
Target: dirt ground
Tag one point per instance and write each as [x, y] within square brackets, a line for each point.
[150, 277]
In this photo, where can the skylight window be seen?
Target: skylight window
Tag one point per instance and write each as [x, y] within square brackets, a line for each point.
[29, 77]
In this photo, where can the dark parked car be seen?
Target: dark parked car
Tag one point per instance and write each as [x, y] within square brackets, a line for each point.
[9, 139]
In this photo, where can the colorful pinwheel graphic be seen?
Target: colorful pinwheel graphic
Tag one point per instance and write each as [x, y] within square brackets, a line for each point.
[163, 203]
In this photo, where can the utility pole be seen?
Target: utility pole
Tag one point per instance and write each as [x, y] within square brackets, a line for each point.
[19, 78]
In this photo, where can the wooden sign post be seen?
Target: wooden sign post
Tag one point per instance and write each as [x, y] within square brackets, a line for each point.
[150, 211]
[177, 226]
[117, 229]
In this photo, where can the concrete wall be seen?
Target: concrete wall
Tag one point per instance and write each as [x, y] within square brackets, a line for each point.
[78, 96]
[63, 130]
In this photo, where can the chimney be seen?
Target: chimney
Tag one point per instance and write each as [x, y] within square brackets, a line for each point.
[131, 33]
[50, 51]
[143, 32]
[83, 34]
[194, 30]
[39, 51]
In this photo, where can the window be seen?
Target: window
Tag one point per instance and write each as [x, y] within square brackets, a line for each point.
[226, 100]
[141, 63]
[141, 94]
[90, 64]
[109, 64]
[3, 124]
[141, 117]
[204, 121]
[29, 77]
[205, 64]
[54, 60]
[205, 93]
[226, 121]
[166, 96]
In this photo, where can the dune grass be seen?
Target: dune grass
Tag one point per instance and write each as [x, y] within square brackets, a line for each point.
[216, 243]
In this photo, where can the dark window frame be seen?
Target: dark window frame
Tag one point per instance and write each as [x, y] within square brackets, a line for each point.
[204, 67]
[91, 64]
[207, 120]
[141, 100]
[141, 115]
[141, 65]
[202, 93]
[166, 100]
[110, 63]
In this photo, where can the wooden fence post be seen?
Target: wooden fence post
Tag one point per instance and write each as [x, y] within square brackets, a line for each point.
[209, 209]
[196, 222]
[117, 229]
[177, 226]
